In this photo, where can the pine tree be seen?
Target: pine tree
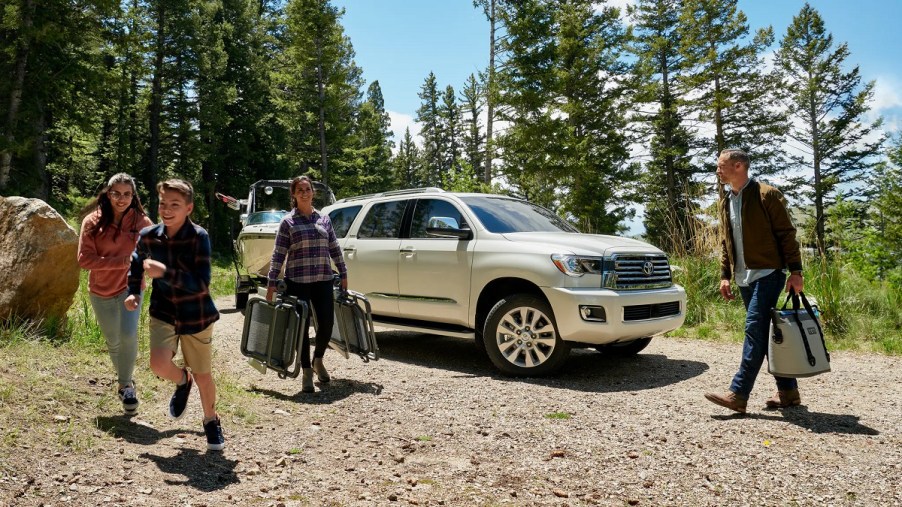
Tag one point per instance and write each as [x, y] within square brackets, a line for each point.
[373, 146]
[662, 99]
[828, 105]
[472, 100]
[738, 98]
[407, 163]
[450, 132]
[490, 9]
[429, 116]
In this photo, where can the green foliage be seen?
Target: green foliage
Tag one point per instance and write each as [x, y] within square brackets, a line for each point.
[828, 105]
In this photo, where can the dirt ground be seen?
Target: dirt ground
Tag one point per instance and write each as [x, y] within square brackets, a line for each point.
[432, 423]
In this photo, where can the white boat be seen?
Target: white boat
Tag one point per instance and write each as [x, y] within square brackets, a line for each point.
[267, 202]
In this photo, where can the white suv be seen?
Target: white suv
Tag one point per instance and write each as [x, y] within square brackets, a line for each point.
[514, 276]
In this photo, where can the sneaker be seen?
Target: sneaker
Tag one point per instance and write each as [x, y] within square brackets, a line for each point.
[129, 399]
[729, 400]
[783, 399]
[180, 398]
[213, 430]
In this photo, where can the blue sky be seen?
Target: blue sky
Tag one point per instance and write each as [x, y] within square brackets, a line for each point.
[398, 42]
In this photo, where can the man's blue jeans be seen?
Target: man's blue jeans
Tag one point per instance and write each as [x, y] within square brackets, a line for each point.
[759, 297]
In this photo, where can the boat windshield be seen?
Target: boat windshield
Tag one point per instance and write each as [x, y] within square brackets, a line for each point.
[265, 217]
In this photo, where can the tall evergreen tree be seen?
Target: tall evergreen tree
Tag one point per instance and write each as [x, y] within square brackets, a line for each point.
[828, 105]
[318, 91]
[407, 163]
[373, 146]
[449, 132]
[662, 98]
[738, 96]
[472, 101]
[490, 9]
[429, 116]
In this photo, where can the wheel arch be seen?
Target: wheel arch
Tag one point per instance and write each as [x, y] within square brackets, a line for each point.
[499, 288]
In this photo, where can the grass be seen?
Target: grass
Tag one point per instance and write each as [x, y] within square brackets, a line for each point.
[558, 415]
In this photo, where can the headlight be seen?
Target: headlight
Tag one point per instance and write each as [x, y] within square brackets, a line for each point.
[578, 265]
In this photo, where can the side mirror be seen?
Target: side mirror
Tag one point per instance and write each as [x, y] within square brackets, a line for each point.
[447, 227]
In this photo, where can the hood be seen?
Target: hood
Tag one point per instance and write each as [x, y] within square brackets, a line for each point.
[582, 244]
[259, 229]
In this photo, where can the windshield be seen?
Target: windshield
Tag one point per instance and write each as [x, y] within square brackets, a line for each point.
[501, 215]
[265, 217]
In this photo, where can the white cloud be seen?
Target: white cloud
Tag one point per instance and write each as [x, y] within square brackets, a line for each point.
[886, 95]
[621, 4]
[400, 122]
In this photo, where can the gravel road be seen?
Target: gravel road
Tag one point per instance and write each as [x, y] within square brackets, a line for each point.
[431, 423]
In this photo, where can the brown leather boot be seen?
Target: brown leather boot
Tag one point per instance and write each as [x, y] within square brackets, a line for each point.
[783, 399]
[729, 400]
[320, 370]
[307, 380]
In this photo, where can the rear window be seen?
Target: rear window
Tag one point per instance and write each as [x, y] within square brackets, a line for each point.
[383, 220]
[342, 219]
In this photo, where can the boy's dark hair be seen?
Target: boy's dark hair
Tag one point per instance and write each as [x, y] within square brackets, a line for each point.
[177, 185]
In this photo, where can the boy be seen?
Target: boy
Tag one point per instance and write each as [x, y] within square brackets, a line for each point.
[176, 255]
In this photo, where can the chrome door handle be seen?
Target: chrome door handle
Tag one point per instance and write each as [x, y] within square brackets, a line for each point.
[408, 249]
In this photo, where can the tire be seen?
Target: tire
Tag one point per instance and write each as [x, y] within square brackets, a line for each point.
[521, 337]
[625, 349]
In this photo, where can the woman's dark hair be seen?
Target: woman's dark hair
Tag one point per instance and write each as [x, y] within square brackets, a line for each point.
[103, 203]
[294, 184]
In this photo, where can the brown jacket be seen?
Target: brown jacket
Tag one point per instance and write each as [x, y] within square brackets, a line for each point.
[767, 232]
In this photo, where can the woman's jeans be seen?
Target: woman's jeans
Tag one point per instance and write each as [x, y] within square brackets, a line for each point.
[319, 298]
[120, 329]
[759, 297]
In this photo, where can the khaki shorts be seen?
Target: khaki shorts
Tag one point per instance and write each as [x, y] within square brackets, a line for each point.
[197, 349]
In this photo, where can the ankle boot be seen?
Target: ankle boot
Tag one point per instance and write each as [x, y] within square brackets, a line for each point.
[307, 380]
[320, 370]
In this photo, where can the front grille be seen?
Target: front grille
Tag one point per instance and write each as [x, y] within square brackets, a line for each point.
[637, 271]
[655, 311]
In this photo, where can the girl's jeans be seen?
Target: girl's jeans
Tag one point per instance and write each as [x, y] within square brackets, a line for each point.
[120, 329]
[759, 297]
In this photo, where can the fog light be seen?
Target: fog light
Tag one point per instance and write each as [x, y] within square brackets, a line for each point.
[593, 313]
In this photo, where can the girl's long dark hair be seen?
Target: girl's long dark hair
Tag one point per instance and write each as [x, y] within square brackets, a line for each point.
[103, 203]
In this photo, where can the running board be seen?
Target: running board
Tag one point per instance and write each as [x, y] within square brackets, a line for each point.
[450, 330]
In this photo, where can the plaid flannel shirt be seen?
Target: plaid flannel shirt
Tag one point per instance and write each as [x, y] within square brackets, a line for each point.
[180, 297]
[308, 247]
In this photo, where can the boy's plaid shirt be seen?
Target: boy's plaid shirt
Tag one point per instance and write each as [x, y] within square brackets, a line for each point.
[181, 297]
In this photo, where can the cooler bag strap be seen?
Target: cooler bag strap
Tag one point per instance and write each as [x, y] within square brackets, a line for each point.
[817, 322]
[795, 314]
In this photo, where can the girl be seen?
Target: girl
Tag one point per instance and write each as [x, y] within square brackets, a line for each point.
[109, 233]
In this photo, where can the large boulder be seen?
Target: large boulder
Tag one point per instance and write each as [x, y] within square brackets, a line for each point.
[38, 264]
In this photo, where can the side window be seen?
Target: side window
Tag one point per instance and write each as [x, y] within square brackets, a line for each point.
[342, 219]
[431, 208]
[383, 220]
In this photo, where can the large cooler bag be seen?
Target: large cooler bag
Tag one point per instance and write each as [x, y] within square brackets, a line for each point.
[354, 332]
[272, 334]
[796, 347]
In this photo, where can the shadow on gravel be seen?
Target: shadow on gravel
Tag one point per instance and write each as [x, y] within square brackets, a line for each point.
[818, 422]
[205, 472]
[585, 370]
[136, 433]
[337, 389]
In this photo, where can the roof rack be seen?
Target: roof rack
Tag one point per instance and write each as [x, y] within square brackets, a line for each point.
[389, 193]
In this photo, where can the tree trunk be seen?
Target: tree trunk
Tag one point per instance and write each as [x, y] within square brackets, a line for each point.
[15, 94]
[818, 192]
[322, 113]
[489, 103]
[156, 107]
[40, 153]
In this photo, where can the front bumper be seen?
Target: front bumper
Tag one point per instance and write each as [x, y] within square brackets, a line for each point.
[566, 303]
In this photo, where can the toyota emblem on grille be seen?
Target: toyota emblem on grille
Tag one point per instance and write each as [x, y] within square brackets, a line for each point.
[648, 268]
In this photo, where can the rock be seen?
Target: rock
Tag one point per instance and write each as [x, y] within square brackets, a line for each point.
[38, 260]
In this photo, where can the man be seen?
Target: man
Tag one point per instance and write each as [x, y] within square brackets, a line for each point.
[758, 242]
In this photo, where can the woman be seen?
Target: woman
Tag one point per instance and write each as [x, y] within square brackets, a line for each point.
[307, 245]
[109, 233]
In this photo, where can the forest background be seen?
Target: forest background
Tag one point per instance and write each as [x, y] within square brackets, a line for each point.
[582, 108]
